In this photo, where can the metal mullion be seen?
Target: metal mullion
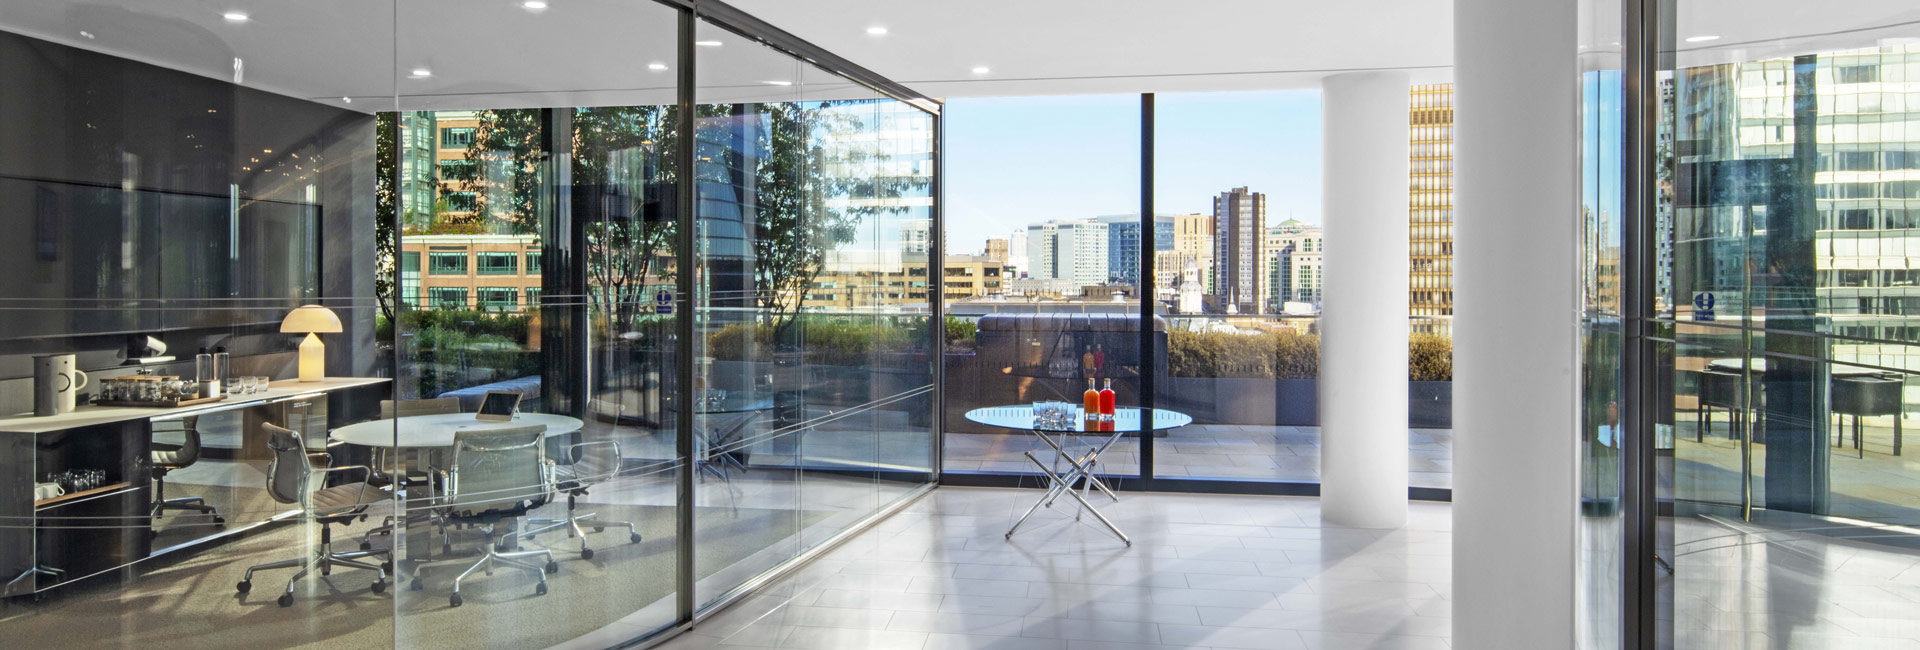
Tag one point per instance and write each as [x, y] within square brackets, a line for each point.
[1639, 525]
[685, 205]
[1146, 288]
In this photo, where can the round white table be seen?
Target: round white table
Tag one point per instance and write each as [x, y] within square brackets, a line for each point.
[429, 431]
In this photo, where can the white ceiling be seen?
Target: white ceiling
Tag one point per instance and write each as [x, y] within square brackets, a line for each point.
[495, 53]
[1044, 47]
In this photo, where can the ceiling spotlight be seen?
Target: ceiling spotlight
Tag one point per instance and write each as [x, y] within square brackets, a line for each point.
[707, 43]
[876, 30]
[235, 17]
[346, 100]
[981, 69]
[1702, 39]
[657, 66]
[534, 5]
[777, 83]
[86, 34]
[422, 73]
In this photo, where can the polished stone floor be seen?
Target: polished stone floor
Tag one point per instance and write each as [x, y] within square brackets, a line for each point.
[1204, 571]
[1226, 451]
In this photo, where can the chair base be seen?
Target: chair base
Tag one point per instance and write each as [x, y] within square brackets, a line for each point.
[489, 556]
[324, 560]
[572, 521]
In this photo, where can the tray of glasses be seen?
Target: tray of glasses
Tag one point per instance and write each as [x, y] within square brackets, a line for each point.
[163, 404]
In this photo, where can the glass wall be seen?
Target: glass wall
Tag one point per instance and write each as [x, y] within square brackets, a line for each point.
[498, 445]
[164, 195]
[1777, 217]
[1242, 283]
[1235, 248]
[1042, 267]
[813, 349]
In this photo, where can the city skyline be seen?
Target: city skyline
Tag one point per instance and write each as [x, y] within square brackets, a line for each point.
[1205, 143]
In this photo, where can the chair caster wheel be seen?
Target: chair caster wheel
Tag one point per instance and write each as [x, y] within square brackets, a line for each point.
[540, 589]
[553, 567]
[286, 600]
[586, 554]
[454, 601]
[244, 586]
[387, 566]
[366, 546]
[379, 586]
[635, 538]
[446, 549]
[599, 529]
[415, 585]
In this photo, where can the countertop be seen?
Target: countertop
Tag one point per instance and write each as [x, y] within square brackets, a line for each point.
[89, 415]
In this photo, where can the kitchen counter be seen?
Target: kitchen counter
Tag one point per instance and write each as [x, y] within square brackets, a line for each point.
[85, 416]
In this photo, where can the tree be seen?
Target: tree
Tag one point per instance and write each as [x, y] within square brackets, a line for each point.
[386, 164]
[801, 210]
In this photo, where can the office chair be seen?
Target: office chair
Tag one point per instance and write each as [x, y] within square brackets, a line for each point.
[290, 480]
[166, 458]
[495, 477]
[390, 409]
[591, 463]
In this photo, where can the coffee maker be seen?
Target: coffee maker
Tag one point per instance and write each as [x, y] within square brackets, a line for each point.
[55, 384]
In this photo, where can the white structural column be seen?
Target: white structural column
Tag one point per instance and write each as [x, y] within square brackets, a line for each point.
[1515, 328]
[1363, 317]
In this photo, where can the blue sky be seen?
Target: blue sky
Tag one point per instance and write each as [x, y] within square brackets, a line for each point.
[1019, 160]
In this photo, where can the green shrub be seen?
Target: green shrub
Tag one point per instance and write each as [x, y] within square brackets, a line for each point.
[828, 340]
[960, 334]
[1286, 355]
[1429, 358]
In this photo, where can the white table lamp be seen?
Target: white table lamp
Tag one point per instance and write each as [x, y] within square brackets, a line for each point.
[312, 320]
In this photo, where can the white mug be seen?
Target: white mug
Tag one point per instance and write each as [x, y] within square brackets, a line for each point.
[44, 491]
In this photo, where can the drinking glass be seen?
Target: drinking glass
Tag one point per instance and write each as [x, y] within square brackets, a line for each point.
[260, 383]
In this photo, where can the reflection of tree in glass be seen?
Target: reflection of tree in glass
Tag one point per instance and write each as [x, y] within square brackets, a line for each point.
[386, 131]
[802, 209]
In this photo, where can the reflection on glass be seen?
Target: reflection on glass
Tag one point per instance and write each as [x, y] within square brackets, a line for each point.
[813, 337]
[1787, 210]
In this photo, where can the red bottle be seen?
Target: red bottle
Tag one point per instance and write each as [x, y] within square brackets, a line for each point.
[1090, 403]
[1106, 401]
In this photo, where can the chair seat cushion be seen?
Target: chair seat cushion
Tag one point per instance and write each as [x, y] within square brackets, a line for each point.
[350, 497]
[171, 458]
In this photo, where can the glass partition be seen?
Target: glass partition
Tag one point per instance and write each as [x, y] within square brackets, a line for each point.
[438, 253]
[169, 187]
[813, 372]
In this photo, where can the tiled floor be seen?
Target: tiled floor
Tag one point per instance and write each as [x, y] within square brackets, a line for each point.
[1204, 571]
[1232, 451]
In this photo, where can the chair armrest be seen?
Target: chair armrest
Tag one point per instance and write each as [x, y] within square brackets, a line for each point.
[618, 460]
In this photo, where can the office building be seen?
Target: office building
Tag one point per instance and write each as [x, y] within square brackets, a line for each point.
[563, 324]
[1430, 211]
[1239, 251]
[1293, 265]
[996, 249]
[1071, 249]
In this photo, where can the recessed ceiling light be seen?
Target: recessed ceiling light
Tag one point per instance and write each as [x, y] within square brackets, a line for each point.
[981, 69]
[86, 34]
[346, 100]
[777, 83]
[707, 43]
[657, 66]
[876, 30]
[534, 5]
[1702, 39]
[235, 16]
[422, 73]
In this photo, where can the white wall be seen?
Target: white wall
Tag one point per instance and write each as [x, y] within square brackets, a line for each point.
[1515, 325]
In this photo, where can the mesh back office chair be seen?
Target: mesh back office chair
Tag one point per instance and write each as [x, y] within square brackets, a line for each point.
[290, 480]
[166, 458]
[495, 477]
[593, 461]
[390, 409]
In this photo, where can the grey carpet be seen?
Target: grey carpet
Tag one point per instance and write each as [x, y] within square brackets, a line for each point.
[191, 603]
